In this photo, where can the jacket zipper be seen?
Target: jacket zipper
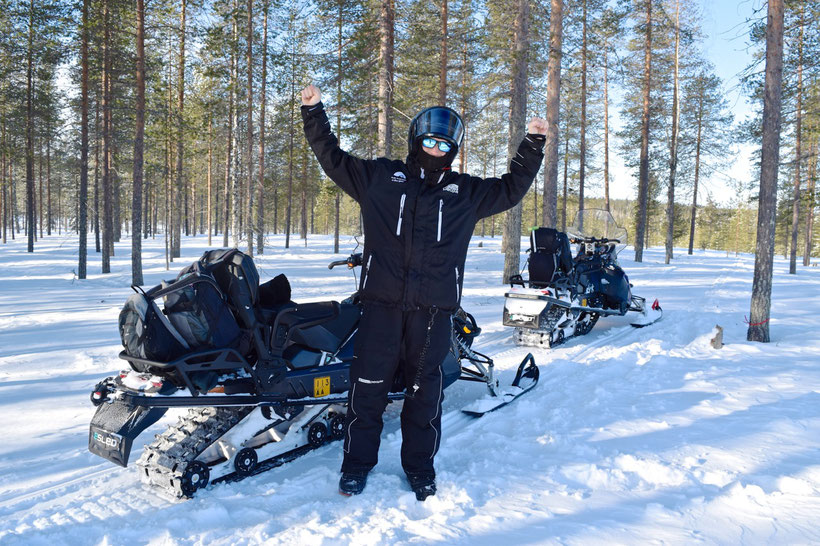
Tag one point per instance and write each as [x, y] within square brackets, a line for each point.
[401, 214]
[440, 208]
[456, 284]
[367, 270]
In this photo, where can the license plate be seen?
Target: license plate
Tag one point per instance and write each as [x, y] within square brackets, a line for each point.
[321, 386]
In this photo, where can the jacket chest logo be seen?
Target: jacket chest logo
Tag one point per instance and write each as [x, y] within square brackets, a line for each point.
[452, 188]
[399, 177]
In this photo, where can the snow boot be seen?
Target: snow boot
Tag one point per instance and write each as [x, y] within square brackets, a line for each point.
[423, 485]
[352, 483]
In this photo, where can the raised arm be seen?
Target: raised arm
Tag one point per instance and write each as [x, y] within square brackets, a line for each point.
[350, 173]
[493, 195]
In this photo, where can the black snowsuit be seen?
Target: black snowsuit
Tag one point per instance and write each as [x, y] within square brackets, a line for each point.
[417, 229]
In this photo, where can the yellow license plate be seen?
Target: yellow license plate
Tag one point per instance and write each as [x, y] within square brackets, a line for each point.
[321, 386]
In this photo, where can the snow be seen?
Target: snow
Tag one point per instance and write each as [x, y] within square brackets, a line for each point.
[631, 436]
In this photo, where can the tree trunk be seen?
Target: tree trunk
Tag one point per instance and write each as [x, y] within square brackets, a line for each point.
[139, 147]
[226, 216]
[260, 197]
[115, 179]
[550, 200]
[606, 124]
[566, 169]
[291, 135]
[386, 31]
[108, 219]
[4, 196]
[40, 188]
[146, 217]
[30, 220]
[180, 182]
[697, 175]
[518, 112]
[583, 145]
[797, 148]
[236, 191]
[97, 133]
[49, 218]
[769, 160]
[464, 74]
[810, 199]
[442, 75]
[673, 146]
[208, 203]
[303, 186]
[643, 183]
[15, 217]
[339, 77]
[249, 159]
[169, 170]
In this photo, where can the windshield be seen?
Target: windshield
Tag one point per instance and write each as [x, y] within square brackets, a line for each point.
[597, 223]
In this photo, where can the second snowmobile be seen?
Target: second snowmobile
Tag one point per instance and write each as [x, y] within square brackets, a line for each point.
[565, 295]
[264, 378]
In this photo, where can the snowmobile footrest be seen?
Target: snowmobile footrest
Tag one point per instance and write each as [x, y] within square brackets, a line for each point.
[527, 369]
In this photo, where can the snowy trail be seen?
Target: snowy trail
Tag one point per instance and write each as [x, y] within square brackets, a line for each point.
[632, 435]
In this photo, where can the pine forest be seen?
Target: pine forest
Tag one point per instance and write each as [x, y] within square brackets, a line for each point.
[168, 119]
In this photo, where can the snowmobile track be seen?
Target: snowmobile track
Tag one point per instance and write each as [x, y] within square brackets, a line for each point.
[164, 462]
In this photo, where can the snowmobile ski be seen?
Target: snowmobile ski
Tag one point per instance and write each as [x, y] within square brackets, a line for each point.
[526, 378]
[648, 316]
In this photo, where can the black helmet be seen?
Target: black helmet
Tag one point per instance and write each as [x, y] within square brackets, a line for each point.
[437, 121]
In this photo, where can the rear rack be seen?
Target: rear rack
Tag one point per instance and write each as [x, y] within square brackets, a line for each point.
[212, 360]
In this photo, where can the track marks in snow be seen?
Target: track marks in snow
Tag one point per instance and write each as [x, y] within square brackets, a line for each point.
[652, 436]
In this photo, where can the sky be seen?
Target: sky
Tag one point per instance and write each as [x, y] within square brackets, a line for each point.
[726, 27]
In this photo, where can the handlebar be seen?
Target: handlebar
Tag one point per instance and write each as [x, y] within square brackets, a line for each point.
[352, 261]
[603, 240]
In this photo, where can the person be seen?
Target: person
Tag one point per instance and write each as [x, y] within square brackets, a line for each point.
[418, 218]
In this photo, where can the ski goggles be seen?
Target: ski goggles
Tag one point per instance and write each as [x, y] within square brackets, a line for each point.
[431, 143]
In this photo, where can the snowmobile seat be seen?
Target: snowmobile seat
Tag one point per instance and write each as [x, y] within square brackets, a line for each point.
[550, 256]
[323, 326]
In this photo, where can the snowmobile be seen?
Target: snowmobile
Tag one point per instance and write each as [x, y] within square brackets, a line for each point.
[264, 378]
[565, 295]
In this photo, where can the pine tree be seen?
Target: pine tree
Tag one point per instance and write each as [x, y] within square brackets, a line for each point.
[643, 179]
[707, 120]
[517, 122]
[550, 201]
[136, 203]
[770, 154]
[386, 51]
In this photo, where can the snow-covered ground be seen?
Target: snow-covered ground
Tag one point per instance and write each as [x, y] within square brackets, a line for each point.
[631, 436]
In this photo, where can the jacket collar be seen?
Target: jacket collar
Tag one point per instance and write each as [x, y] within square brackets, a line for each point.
[430, 177]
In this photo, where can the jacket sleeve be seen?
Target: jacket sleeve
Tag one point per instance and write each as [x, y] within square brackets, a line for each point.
[493, 195]
[350, 173]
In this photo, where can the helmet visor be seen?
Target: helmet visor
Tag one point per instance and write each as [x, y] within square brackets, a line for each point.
[442, 123]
